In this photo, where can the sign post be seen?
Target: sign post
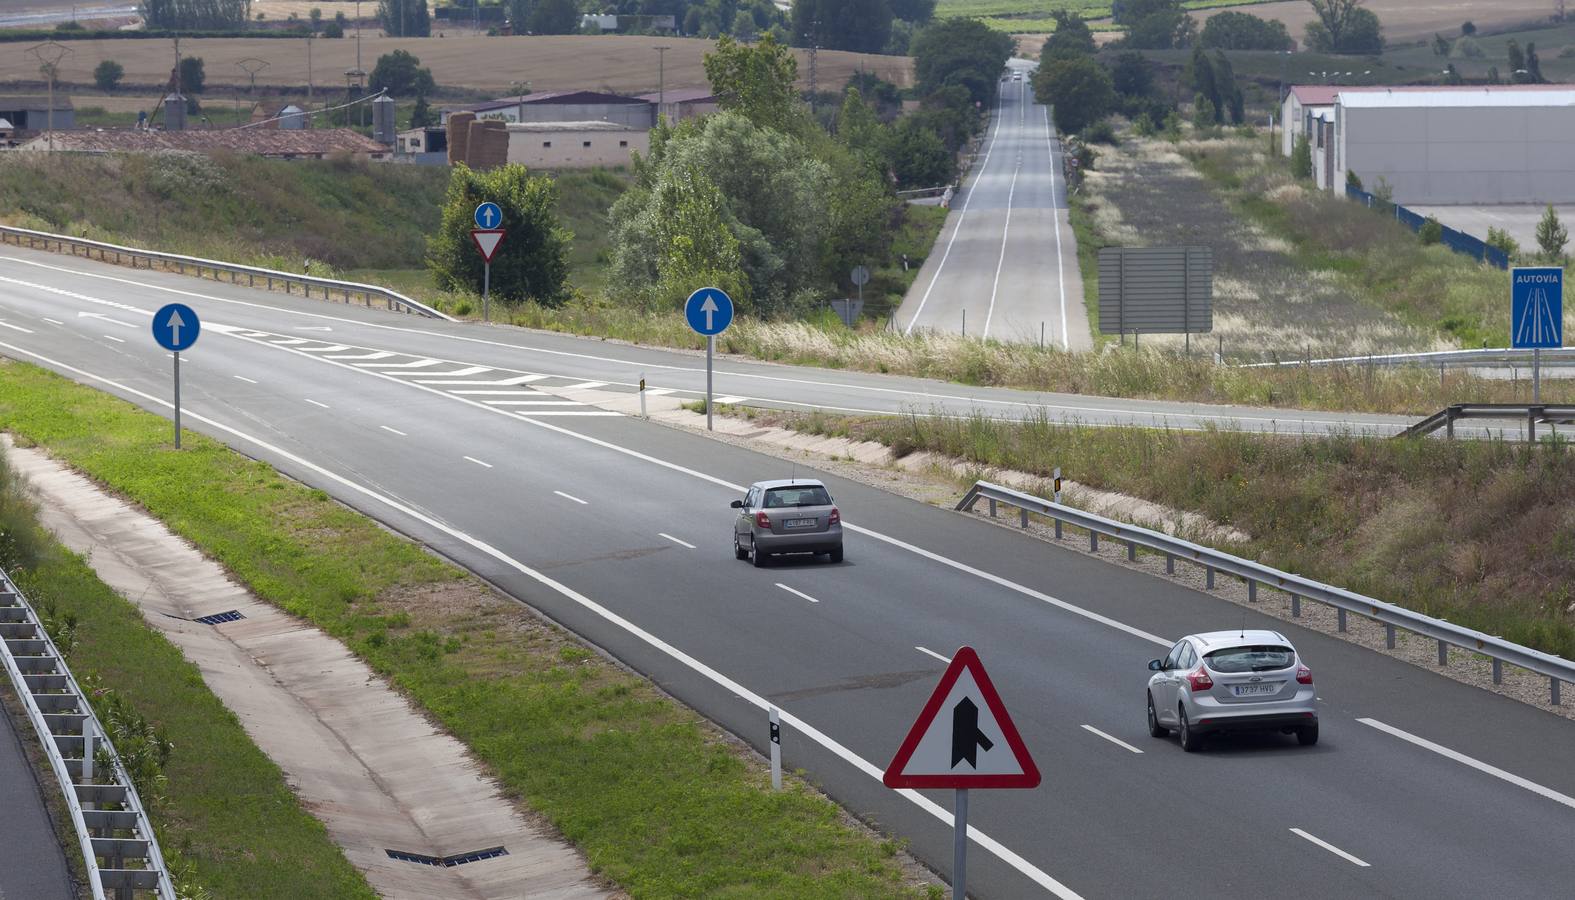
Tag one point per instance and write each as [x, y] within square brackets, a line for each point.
[488, 235]
[709, 312]
[962, 739]
[175, 328]
[1536, 319]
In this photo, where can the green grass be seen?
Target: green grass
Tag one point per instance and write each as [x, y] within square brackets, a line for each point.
[1479, 532]
[225, 816]
[1035, 15]
[659, 802]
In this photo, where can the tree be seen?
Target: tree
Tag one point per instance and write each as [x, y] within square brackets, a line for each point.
[918, 156]
[532, 264]
[1500, 239]
[1517, 62]
[107, 75]
[919, 12]
[1552, 236]
[401, 75]
[1452, 76]
[756, 81]
[1344, 26]
[857, 127]
[964, 52]
[405, 18]
[1133, 75]
[1301, 159]
[861, 25]
[192, 77]
[1229, 92]
[1163, 30]
[421, 114]
[1203, 114]
[1078, 88]
[743, 29]
[1441, 45]
[1200, 75]
[696, 248]
[554, 17]
[195, 15]
[1240, 31]
[1072, 37]
[1533, 65]
[1468, 28]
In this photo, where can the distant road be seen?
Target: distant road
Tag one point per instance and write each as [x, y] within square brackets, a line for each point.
[26, 17]
[1005, 265]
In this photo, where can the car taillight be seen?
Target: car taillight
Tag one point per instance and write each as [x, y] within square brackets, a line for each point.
[762, 520]
[835, 518]
[1200, 679]
[1303, 675]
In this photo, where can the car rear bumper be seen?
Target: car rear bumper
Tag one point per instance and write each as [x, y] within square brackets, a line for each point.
[1216, 722]
[812, 542]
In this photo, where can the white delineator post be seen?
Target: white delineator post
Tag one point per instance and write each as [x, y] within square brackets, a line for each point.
[776, 750]
[642, 396]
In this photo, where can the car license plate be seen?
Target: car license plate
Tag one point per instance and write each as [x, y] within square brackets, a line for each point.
[1248, 690]
[800, 523]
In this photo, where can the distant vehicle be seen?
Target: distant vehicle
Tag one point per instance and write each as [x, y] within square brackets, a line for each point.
[786, 516]
[1231, 681]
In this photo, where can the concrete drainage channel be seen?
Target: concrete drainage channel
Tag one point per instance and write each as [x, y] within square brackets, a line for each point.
[407, 804]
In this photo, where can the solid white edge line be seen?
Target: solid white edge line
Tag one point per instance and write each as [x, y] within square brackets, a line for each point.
[927, 651]
[675, 540]
[797, 593]
[316, 403]
[479, 462]
[115, 339]
[1111, 738]
[16, 327]
[245, 379]
[571, 497]
[1055, 219]
[999, 850]
[1477, 764]
[394, 430]
[962, 216]
[1330, 847]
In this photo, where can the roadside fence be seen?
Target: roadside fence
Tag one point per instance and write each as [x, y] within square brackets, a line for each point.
[1458, 241]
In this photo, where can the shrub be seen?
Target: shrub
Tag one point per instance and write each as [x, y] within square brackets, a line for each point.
[1301, 158]
[1431, 232]
[531, 264]
[1352, 179]
[107, 75]
[1101, 132]
[1501, 239]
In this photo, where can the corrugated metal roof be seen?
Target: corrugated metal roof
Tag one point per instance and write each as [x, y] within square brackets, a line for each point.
[551, 97]
[1325, 94]
[1471, 97]
[680, 95]
[570, 126]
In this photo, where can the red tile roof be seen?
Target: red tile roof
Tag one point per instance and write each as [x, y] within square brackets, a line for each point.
[246, 141]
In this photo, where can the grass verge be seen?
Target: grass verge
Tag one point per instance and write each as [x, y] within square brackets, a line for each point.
[659, 801]
[1478, 532]
[225, 817]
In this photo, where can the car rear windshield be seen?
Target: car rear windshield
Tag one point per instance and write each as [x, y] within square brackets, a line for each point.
[809, 495]
[1262, 658]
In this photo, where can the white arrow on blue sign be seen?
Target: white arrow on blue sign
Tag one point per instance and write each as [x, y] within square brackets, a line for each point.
[709, 311]
[489, 215]
[175, 327]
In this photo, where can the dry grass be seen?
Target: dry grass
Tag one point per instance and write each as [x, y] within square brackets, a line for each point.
[616, 63]
[1410, 20]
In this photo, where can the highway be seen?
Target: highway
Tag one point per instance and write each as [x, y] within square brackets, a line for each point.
[1005, 265]
[453, 434]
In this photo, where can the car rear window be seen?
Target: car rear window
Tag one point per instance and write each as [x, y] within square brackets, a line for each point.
[1261, 658]
[809, 495]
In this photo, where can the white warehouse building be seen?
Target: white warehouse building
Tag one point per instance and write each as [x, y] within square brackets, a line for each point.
[1472, 146]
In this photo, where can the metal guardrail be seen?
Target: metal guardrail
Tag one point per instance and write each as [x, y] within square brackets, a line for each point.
[1555, 668]
[1552, 413]
[116, 839]
[348, 291]
[1492, 356]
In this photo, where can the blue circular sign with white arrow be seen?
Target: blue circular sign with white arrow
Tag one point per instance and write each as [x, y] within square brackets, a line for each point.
[709, 311]
[175, 327]
[489, 215]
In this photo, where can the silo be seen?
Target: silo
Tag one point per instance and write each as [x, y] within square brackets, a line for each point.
[292, 118]
[459, 137]
[383, 120]
[174, 113]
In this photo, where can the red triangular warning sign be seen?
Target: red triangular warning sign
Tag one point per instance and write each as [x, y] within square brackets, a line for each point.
[487, 241]
[963, 738]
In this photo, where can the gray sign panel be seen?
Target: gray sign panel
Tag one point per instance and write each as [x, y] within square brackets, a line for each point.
[1156, 290]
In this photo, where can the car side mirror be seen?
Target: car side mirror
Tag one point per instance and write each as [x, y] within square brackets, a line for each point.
[737, 504]
[1155, 665]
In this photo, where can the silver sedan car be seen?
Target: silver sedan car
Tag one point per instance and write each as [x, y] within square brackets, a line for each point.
[788, 516]
[1229, 681]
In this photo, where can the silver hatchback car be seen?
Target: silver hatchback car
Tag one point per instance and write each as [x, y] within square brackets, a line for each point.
[788, 516]
[1227, 681]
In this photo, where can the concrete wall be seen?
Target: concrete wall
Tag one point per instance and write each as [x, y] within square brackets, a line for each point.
[569, 150]
[1461, 155]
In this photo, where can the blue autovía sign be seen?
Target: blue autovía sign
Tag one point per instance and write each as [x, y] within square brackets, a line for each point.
[1536, 296]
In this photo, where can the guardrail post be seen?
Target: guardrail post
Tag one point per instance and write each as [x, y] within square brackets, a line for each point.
[1296, 606]
[992, 507]
[1553, 689]
[1389, 636]
[1252, 591]
[1498, 671]
[1024, 514]
[1058, 529]
[1170, 564]
[1209, 577]
[1340, 615]
[1443, 653]
[1131, 551]
[1093, 541]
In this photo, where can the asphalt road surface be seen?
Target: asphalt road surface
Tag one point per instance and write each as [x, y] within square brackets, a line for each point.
[32, 864]
[1005, 265]
[620, 530]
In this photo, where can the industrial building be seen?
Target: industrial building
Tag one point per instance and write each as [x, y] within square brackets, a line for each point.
[32, 113]
[486, 143]
[683, 103]
[565, 106]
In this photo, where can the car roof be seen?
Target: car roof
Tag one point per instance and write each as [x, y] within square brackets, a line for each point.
[1214, 640]
[788, 482]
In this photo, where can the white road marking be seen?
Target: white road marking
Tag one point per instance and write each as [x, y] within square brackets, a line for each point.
[533, 402]
[585, 385]
[16, 327]
[534, 414]
[479, 462]
[312, 328]
[1055, 217]
[675, 540]
[418, 364]
[927, 651]
[1111, 738]
[527, 392]
[326, 348]
[1006, 232]
[289, 342]
[571, 497]
[245, 379]
[53, 321]
[993, 846]
[521, 379]
[394, 430]
[315, 403]
[506, 382]
[381, 354]
[730, 399]
[1477, 764]
[457, 373]
[102, 317]
[115, 339]
[797, 593]
[1329, 847]
[658, 392]
[961, 217]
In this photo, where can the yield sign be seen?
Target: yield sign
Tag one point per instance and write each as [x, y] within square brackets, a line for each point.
[963, 738]
[487, 241]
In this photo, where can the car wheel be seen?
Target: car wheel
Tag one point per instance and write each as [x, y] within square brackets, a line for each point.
[757, 557]
[836, 555]
[1191, 740]
[738, 549]
[1308, 735]
[1154, 728]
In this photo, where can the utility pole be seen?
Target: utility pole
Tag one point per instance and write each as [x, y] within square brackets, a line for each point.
[661, 80]
[358, 34]
[49, 54]
[814, 48]
[309, 73]
[251, 65]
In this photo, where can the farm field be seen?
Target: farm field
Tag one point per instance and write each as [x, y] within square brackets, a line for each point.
[616, 63]
[1415, 20]
[1035, 15]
